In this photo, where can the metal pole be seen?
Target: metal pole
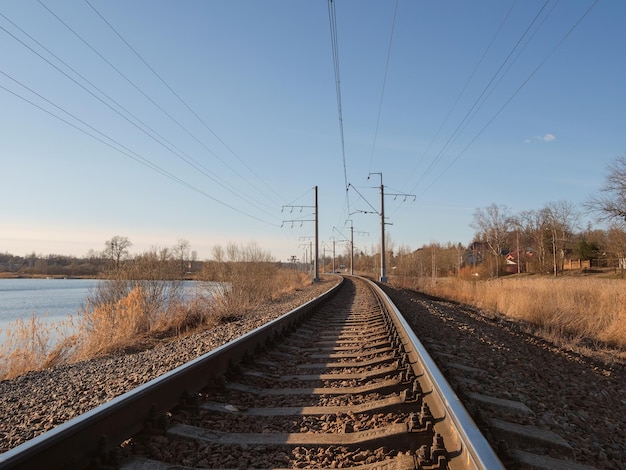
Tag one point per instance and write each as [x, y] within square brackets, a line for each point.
[383, 267]
[351, 248]
[317, 247]
[333, 256]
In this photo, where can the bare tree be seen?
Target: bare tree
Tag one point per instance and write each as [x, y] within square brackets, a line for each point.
[117, 249]
[181, 253]
[562, 219]
[610, 205]
[616, 246]
[153, 274]
[244, 276]
[492, 224]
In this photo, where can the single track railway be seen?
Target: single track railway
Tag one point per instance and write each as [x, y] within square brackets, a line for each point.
[339, 382]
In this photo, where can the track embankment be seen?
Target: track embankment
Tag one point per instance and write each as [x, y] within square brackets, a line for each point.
[565, 405]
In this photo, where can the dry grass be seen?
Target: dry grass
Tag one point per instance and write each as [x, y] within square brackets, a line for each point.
[131, 321]
[33, 344]
[114, 326]
[577, 308]
[288, 280]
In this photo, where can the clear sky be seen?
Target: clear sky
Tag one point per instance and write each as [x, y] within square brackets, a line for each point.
[201, 119]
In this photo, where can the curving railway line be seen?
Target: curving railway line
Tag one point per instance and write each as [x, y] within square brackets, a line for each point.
[340, 382]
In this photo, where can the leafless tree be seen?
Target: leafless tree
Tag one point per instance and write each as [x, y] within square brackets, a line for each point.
[610, 204]
[616, 245]
[117, 249]
[492, 224]
[181, 253]
[561, 219]
[154, 273]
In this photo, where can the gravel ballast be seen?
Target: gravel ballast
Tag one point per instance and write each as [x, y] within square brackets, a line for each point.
[38, 401]
[578, 397]
[583, 399]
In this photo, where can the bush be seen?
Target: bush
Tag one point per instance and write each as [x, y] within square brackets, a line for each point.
[142, 301]
[245, 277]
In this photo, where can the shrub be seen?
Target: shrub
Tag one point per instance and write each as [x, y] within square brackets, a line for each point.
[246, 276]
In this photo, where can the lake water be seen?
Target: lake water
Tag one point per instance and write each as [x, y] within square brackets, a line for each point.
[49, 299]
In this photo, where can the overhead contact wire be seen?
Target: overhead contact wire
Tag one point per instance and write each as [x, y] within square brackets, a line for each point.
[382, 93]
[332, 16]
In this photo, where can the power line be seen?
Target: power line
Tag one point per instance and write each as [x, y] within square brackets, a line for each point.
[191, 110]
[456, 132]
[154, 135]
[461, 93]
[187, 159]
[382, 93]
[522, 85]
[332, 16]
[122, 149]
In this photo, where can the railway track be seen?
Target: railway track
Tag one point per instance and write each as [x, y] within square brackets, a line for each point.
[339, 382]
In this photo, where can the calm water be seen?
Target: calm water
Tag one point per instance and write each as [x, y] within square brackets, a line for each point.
[49, 299]
[53, 300]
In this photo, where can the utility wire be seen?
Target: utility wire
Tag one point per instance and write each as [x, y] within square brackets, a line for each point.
[121, 148]
[453, 136]
[152, 134]
[187, 159]
[332, 16]
[363, 197]
[522, 85]
[507, 69]
[382, 93]
[186, 105]
[461, 93]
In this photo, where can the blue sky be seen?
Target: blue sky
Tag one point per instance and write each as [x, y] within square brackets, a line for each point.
[241, 118]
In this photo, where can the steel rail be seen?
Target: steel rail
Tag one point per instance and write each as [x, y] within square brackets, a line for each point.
[76, 443]
[473, 449]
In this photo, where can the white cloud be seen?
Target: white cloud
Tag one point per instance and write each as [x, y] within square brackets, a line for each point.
[545, 138]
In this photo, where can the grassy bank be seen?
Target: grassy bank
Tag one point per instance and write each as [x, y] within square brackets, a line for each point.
[579, 310]
[127, 315]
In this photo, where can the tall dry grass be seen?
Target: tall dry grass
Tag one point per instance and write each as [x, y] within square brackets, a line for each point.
[129, 316]
[583, 308]
[247, 276]
[108, 327]
[33, 344]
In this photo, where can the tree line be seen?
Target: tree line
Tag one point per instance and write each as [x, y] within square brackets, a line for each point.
[536, 240]
[178, 261]
[540, 240]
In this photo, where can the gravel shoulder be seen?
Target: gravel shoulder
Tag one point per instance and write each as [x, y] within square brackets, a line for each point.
[38, 401]
[581, 398]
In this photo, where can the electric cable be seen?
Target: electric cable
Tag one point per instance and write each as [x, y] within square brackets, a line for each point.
[454, 134]
[520, 87]
[382, 93]
[191, 110]
[122, 149]
[332, 16]
[461, 93]
[190, 161]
